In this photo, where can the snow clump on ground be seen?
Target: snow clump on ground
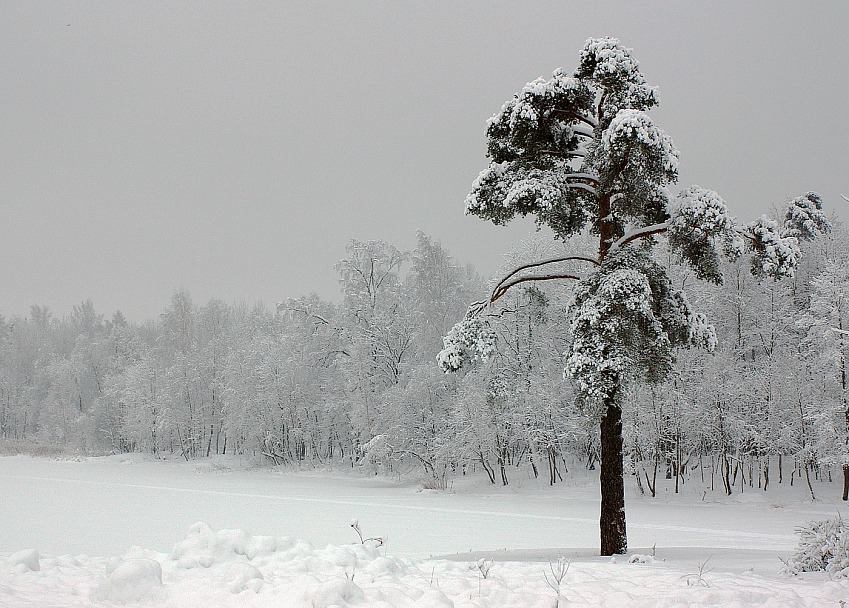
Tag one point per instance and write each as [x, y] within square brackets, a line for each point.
[230, 567]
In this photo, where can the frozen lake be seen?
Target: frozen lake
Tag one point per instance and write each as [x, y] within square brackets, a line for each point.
[100, 508]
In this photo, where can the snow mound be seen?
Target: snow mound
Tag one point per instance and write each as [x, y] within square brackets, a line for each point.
[233, 569]
[240, 562]
[205, 547]
[337, 593]
[242, 577]
[131, 581]
[26, 559]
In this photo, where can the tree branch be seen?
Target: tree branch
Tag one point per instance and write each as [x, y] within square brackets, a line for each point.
[639, 233]
[743, 231]
[549, 277]
[584, 132]
[569, 258]
[588, 120]
[582, 186]
[576, 153]
[592, 177]
[281, 306]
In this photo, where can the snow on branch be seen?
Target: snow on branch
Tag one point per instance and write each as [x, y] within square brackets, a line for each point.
[468, 340]
[589, 120]
[639, 233]
[472, 338]
[773, 254]
[515, 271]
[587, 176]
[633, 140]
[611, 65]
[566, 153]
[580, 186]
[549, 277]
[699, 224]
[805, 218]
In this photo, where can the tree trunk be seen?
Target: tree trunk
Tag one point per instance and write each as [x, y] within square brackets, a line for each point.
[808, 479]
[614, 539]
[766, 474]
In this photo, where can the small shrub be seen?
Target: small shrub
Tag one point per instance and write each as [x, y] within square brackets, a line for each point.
[823, 547]
[436, 483]
[376, 541]
[558, 573]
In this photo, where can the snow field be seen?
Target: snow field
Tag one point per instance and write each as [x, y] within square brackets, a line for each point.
[708, 552]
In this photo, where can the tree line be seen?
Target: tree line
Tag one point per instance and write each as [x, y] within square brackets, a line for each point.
[357, 383]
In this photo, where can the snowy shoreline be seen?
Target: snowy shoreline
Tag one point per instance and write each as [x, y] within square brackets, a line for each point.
[304, 554]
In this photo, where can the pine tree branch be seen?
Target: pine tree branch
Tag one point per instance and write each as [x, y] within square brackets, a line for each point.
[569, 258]
[549, 277]
[639, 233]
[588, 120]
[583, 132]
[590, 177]
[503, 286]
[744, 232]
[575, 153]
[582, 186]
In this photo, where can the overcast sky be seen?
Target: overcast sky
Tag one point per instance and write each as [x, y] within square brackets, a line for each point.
[232, 149]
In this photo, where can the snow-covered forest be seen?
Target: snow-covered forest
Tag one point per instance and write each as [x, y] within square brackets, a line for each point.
[644, 342]
[357, 383]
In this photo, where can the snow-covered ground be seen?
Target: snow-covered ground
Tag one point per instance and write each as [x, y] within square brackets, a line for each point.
[124, 530]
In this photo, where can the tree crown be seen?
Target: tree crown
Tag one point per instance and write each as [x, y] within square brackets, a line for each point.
[579, 152]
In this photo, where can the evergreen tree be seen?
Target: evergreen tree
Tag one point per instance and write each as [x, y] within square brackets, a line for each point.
[579, 152]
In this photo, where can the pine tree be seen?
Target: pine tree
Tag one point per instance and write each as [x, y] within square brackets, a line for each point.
[580, 153]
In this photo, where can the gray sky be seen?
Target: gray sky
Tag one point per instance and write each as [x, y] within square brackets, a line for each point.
[232, 149]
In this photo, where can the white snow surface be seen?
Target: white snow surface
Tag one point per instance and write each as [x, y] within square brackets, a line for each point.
[133, 531]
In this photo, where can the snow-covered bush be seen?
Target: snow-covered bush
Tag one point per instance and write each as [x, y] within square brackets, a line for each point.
[823, 547]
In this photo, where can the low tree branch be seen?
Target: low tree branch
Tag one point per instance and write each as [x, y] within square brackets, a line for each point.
[549, 277]
[568, 258]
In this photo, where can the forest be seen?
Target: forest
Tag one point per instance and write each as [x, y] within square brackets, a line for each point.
[356, 383]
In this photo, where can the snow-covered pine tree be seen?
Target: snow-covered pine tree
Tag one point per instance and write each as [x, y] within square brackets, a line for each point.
[579, 152]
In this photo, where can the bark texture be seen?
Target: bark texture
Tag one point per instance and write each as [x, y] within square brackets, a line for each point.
[614, 539]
